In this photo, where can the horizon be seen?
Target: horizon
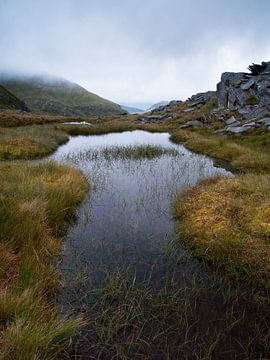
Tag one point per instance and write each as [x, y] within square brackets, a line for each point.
[134, 54]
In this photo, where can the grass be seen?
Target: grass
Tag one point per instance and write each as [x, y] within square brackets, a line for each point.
[29, 142]
[197, 320]
[226, 222]
[137, 152]
[54, 96]
[36, 202]
[238, 151]
[13, 119]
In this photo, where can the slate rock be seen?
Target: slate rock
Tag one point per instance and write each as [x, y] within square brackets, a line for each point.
[232, 121]
[237, 129]
[265, 121]
[247, 85]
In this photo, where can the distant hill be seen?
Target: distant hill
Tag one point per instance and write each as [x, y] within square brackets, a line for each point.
[56, 96]
[8, 101]
[132, 110]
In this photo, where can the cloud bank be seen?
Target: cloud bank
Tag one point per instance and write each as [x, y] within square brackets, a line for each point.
[134, 52]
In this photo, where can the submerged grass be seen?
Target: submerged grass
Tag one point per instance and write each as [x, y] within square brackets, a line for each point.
[36, 201]
[209, 319]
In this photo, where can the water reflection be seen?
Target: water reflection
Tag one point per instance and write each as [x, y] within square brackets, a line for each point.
[126, 218]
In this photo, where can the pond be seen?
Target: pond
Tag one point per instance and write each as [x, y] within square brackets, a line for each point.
[122, 247]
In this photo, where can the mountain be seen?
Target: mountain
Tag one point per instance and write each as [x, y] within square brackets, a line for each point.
[57, 96]
[132, 110]
[8, 101]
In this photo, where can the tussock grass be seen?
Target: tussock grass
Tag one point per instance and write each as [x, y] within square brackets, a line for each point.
[226, 222]
[36, 201]
[137, 152]
[29, 142]
[241, 156]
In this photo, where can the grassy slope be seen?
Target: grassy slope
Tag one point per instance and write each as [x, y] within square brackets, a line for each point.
[36, 92]
[8, 101]
[43, 197]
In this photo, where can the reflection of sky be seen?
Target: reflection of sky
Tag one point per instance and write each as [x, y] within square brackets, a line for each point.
[127, 215]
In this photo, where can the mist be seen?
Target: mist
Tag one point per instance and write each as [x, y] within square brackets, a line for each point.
[134, 53]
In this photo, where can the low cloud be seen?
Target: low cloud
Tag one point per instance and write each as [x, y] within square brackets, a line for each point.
[134, 52]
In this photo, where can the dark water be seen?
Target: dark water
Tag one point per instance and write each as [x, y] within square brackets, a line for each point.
[127, 216]
[126, 220]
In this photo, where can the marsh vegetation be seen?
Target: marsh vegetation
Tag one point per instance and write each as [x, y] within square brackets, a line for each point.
[143, 295]
[154, 272]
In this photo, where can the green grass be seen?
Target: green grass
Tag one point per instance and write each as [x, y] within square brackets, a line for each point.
[247, 154]
[58, 96]
[175, 320]
[137, 152]
[9, 101]
[36, 202]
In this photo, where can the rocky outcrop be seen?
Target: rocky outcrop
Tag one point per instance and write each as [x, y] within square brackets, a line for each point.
[246, 93]
[201, 98]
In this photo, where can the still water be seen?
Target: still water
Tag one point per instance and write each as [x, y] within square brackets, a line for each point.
[126, 220]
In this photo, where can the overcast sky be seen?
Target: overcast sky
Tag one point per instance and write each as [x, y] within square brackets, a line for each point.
[134, 52]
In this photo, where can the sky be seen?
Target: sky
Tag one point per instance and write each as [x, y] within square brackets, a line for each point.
[135, 52]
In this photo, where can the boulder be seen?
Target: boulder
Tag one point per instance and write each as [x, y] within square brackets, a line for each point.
[237, 129]
[249, 94]
[265, 121]
[189, 110]
[232, 121]
[194, 123]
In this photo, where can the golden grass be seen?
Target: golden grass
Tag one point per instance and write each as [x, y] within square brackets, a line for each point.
[241, 157]
[36, 201]
[226, 222]
[29, 142]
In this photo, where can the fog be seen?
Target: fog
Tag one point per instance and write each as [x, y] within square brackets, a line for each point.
[134, 52]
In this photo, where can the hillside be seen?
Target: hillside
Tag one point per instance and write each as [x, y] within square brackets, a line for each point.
[56, 96]
[8, 101]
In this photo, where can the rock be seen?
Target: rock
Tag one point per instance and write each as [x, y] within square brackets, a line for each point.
[232, 120]
[249, 94]
[202, 97]
[175, 102]
[154, 117]
[185, 126]
[247, 85]
[171, 116]
[237, 129]
[251, 124]
[265, 121]
[189, 110]
[194, 123]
